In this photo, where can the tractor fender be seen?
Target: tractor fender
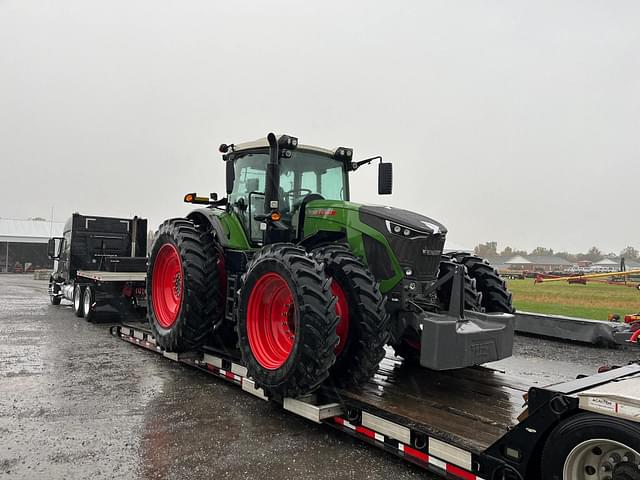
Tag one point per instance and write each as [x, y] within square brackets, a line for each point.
[322, 237]
[204, 216]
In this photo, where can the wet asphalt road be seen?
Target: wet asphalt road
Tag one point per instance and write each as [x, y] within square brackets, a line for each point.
[76, 403]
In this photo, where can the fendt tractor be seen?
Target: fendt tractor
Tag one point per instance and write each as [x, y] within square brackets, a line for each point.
[306, 286]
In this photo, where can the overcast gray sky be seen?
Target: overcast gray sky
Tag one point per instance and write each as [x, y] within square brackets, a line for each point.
[510, 121]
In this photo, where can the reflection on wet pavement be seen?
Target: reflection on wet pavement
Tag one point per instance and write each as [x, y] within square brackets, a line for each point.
[77, 403]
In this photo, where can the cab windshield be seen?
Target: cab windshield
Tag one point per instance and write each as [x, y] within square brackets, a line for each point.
[303, 174]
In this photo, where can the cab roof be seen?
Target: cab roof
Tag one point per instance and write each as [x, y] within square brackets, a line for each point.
[262, 143]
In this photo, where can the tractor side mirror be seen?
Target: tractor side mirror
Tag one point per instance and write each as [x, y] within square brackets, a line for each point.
[231, 176]
[385, 178]
[53, 248]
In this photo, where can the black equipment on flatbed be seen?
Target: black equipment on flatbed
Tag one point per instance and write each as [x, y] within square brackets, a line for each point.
[100, 263]
[469, 423]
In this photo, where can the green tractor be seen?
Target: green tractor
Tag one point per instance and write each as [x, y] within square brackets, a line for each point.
[307, 287]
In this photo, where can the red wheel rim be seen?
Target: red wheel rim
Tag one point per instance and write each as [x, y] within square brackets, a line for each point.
[271, 321]
[167, 285]
[342, 310]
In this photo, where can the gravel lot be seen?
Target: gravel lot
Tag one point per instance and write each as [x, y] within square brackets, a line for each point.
[76, 403]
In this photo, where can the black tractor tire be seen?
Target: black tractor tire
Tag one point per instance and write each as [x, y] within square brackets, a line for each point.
[184, 259]
[472, 297]
[78, 309]
[408, 345]
[495, 295]
[286, 321]
[566, 438]
[87, 304]
[55, 290]
[366, 330]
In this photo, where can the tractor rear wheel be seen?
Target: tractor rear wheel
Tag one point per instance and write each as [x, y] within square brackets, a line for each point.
[363, 325]
[183, 288]
[286, 321]
[495, 295]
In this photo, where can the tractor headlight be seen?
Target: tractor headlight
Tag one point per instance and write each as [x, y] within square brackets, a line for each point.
[408, 272]
[403, 231]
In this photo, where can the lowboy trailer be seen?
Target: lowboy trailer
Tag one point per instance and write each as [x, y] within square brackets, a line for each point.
[473, 424]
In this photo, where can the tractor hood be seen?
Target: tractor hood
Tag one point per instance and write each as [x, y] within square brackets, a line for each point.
[404, 218]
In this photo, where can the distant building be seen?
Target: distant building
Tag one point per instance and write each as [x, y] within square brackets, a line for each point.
[23, 243]
[537, 263]
[605, 265]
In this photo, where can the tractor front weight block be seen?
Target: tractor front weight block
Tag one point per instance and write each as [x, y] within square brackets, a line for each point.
[450, 342]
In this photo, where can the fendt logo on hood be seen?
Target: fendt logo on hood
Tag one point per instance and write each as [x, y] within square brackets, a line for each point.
[322, 212]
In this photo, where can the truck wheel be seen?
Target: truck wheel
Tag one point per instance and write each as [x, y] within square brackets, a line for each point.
[54, 290]
[590, 446]
[286, 321]
[77, 301]
[183, 288]
[495, 295]
[363, 325]
[87, 304]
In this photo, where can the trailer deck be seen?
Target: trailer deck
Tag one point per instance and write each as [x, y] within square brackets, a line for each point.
[450, 423]
[486, 402]
[102, 276]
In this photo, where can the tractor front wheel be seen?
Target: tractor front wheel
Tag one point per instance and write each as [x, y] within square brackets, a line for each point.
[183, 287]
[286, 321]
[363, 325]
[496, 298]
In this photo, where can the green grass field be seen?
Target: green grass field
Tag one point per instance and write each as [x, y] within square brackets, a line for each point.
[594, 300]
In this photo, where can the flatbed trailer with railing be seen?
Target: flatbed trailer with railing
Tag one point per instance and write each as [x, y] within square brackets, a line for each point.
[472, 423]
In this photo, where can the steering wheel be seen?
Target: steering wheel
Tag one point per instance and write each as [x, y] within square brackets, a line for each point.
[297, 204]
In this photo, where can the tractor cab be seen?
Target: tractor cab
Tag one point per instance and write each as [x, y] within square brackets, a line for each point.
[270, 181]
[304, 174]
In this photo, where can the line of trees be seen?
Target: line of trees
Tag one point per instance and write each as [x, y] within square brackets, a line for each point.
[490, 249]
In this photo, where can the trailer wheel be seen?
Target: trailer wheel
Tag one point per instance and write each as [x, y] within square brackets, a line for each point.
[593, 447]
[87, 304]
[54, 290]
[183, 288]
[78, 307]
[363, 326]
[495, 295]
[286, 321]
